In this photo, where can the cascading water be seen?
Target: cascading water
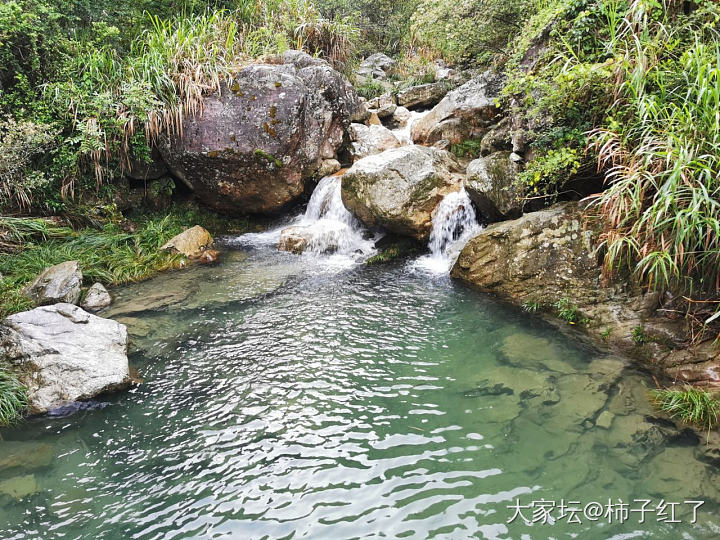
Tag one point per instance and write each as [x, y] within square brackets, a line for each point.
[326, 224]
[329, 224]
[403, 134]
[454, 223]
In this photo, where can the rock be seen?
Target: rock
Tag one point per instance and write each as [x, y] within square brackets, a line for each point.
[468, 111]
[264, 134]
[294, 239]
[191, 242]
[64, 354]
[27, 455]
[19, 487]
[373, 120]
[491, 184]
[328, 167]
[369, 140]
[384, 106]
[543, 255]
[152, 169]
[97, 298]
[423, 95]
[209, 256]
[153, 301]
[59, 283]
[498, 138]
[605, 420]
[376, 66]
[400, 117]
[399, 188]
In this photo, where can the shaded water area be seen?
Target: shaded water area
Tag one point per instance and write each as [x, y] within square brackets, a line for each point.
[285, 397]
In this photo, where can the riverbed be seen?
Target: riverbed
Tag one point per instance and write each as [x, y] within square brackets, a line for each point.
[288, 396]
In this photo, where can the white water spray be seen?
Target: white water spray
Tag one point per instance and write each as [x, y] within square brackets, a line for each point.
[454, 223]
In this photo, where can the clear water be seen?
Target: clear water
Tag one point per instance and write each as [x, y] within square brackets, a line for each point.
[286, 399]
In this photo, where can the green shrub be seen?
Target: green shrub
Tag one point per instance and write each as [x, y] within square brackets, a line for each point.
[370, 89]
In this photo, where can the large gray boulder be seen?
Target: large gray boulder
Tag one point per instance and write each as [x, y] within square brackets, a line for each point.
[258, 139]
[468, 111]
[369, 140]
[64, 354]
[422, 95]
[59, 283]
[399, 188]
[491, 183]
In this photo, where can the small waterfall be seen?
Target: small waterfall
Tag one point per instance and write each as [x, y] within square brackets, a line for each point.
[403, 134]
[454, 223]
[329, 225]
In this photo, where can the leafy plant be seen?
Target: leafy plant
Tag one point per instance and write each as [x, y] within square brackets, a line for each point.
[370, 89]
[531, 306]
[688, 404]
[13, 398]
[467, 148]
[568, 312]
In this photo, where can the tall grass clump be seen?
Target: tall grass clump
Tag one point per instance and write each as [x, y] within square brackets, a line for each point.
[660, 149]
[13, 398]
[688, 404]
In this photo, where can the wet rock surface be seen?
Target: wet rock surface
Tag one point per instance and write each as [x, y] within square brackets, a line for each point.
[399, 188]
[491, 184]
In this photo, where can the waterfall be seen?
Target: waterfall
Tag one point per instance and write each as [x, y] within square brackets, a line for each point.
[454, 223]
[403, 134]
[329, 225]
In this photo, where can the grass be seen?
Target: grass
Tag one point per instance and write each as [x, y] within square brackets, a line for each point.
[688, 404]
[568, 312]
[13, 398]
[467, 148]
[114, 254]
[661, 150]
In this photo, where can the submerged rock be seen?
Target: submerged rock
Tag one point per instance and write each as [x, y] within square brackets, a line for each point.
[97, 298]
[59, 283]
[264, 134]
[399, 188]
[19, 487]
[64, 354]
[191, 242]
[26, 455]
[468, 111]
[491, 184]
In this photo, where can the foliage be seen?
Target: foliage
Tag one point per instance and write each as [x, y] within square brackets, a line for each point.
[13, 398]
[690, 405]
[550, 171]
[661, 149]
[370, 89]
[24, 146]
[468, 31]
[383, 24]
[393, 249]
[467, 148]
[568, 312]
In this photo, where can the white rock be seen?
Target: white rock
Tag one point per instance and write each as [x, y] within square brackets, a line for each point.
[97, 298]
[64, 354]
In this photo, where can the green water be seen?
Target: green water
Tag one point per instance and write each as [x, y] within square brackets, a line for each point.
[283, 398]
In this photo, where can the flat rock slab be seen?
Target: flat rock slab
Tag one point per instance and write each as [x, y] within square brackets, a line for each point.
[59, 283]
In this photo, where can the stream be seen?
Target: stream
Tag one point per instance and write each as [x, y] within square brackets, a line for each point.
[315, 396]
[287, 396]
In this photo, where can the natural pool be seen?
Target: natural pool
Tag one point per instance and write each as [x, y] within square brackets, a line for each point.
[288, 397]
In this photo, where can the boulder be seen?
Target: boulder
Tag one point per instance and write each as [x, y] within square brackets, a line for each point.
[384, 106]
[400, 117]
[376, 66]
[422, 95]
[328, 167]
[64, 354]
[59, 283]
[295, 239]
[264, 134]
[491, 183]
[468, 111]
[399, 188]
[97, 298]
[498, 138]
[191, 242]
[369, 140]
